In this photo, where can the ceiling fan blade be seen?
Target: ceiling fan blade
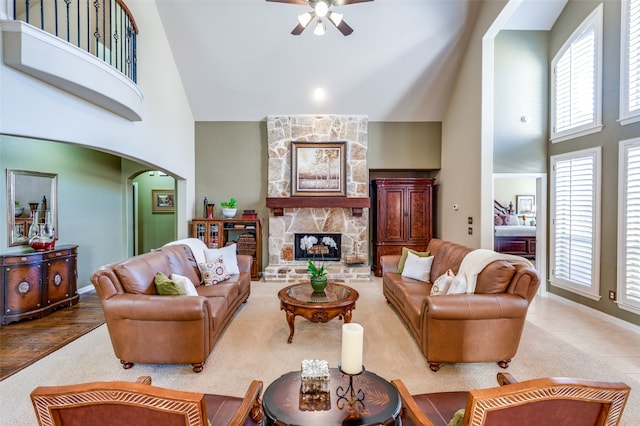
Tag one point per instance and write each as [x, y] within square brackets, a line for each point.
[298, 29]
[302, 2]
[344, 28]
[346, 2]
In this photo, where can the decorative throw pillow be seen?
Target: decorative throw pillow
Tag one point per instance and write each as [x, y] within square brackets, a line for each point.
[418, 268]
[403, 257]
[512, 220]
[228, 254]
[185, 283]
[457, 418]
[441, 285]
[213, 272]
[166, 287]
[497, 220]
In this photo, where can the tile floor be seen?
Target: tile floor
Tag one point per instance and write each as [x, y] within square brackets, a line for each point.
[616, 342]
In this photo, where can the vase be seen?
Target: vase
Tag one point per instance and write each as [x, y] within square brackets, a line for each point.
[44, 239]
[229, 213]
[318, 284]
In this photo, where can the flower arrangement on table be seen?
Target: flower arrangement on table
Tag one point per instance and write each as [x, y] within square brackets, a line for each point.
[318, 274]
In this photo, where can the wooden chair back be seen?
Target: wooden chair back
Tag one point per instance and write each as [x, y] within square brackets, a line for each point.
[128, 403]
[555, 401]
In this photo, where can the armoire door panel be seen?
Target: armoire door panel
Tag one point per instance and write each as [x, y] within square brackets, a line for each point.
[391, 226]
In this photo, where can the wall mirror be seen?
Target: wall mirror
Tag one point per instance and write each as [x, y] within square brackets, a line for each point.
[29, 192]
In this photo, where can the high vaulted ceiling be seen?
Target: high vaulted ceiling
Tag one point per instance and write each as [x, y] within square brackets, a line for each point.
[239, 62]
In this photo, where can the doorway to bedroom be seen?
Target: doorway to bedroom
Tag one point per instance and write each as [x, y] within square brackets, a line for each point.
[520, 218]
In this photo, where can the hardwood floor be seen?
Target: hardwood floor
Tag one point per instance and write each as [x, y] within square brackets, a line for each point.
[24, 342]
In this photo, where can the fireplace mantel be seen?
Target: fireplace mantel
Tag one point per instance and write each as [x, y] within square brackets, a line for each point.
[356, 204]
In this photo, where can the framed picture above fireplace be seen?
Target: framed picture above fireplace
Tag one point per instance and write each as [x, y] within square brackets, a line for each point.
[318, 169]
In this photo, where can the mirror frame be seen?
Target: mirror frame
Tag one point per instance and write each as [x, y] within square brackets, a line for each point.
[52, 202]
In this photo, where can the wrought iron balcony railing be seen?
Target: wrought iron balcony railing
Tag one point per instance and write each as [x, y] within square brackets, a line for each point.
[104, 28]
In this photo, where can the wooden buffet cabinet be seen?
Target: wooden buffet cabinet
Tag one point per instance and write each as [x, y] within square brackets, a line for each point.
[403, 216]
[34, 284]
[246, 233]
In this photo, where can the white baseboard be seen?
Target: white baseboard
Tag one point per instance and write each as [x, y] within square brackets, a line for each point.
[87, 289]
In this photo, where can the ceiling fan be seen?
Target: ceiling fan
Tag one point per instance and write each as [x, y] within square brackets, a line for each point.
[321, 10]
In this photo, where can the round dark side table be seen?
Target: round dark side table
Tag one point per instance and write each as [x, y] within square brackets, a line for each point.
[284, 404]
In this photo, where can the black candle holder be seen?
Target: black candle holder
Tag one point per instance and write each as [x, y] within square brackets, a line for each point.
[350, 395]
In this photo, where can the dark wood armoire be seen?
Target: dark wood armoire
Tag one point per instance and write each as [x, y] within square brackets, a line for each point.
[403, 216]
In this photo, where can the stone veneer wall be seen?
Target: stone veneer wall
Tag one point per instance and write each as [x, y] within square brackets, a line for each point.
[281, 130]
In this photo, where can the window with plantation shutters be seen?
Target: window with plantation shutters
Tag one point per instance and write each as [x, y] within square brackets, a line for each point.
[576, 82]
[630, 62]
[575, 222]
[629, 226]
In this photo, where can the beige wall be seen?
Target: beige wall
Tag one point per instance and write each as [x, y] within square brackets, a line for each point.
[231, 159]
[461, 176]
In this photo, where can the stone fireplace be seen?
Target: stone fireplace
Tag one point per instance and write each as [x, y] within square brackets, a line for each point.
[346, 216]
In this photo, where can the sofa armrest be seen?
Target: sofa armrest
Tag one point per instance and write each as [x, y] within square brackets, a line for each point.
[145, 307]
[244, 262]
[474, 306]
[389, 262]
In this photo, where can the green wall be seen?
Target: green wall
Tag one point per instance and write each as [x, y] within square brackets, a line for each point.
[154, 229]
[610, 136]
[90, 197]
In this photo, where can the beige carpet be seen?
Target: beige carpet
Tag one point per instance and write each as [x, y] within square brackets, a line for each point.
[254, 346]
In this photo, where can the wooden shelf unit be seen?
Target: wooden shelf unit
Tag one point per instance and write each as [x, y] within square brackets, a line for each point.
[217, 233]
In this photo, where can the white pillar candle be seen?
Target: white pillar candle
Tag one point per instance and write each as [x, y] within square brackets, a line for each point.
[352, 334]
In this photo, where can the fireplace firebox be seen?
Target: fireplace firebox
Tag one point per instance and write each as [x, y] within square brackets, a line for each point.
[317, 246]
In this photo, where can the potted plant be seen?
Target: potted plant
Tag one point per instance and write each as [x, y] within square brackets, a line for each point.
[229, 208]
[318, 276]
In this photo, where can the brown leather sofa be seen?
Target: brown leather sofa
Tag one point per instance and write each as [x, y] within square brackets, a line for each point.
[479, 327]
[148, 328]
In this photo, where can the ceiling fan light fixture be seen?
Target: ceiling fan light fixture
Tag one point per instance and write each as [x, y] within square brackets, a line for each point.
[304, 19]
[321, 9]
[336, 18]
[320, 28]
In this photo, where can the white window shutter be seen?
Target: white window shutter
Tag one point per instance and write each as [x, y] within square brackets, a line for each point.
[576, 83]
[630, 66]
[629, 226]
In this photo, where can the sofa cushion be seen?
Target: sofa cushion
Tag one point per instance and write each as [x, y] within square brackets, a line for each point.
[403, 257]
[417, 267]
[495, 278]
[447, 255]
[441, 285]
[137, 274]
[213, 272]
[228, 254]
[184, 283]
[182, 261]
[168, 287]
[227, 290]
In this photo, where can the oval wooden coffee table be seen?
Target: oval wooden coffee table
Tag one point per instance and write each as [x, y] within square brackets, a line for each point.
[299, 299]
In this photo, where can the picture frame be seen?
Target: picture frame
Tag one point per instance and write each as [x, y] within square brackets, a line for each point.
[163, 201]
[318, 169]
[525, 204]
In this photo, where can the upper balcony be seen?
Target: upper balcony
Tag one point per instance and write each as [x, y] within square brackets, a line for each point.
[85, 47]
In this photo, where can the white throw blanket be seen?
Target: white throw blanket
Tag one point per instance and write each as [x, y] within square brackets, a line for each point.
[473, 263]
[196, 246]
